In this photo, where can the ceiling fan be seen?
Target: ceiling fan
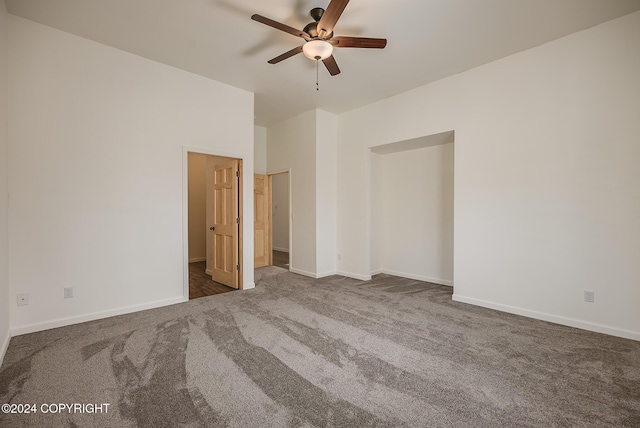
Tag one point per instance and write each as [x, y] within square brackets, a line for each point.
[318, 36]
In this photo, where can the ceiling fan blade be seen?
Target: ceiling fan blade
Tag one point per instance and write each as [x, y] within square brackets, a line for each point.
[289, 54]
[331, 65]
[330, 17]
[358, 42]
[280, 26]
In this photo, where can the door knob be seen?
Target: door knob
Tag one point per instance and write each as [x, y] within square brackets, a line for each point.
[212, 228]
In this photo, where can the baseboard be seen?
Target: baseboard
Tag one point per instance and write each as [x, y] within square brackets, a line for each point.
[376, 272]
[197, 259]
[248, 286]
[325, 274]
[5, 346]
[284, 250]
[354, 275]
[418, 277]
[302, 272]
[208, 272]
[311, 274]
[62, 322]
[571, 322]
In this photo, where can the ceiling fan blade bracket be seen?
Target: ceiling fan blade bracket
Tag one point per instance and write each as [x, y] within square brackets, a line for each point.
[330, 17]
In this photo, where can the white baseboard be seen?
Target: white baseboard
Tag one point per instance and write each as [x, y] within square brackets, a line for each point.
[197, 259]
[5, 346]
[61, 322]
[249, 286]
[376, 272]
[354, 275]
[311, 274]
[302, 272]
[325, 274]
[284, 250]
[417, 277]
[571, 322]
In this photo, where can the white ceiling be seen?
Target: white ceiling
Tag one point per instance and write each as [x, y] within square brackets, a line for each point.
[427, 40]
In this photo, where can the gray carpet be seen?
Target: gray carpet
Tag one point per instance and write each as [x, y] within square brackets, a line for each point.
[333, 352]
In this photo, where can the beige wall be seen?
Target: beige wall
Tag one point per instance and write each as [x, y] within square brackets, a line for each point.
[197, 207]
[5, 301]
[260, 150]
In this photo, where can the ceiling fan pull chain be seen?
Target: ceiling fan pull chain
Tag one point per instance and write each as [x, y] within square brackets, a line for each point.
[317, 87]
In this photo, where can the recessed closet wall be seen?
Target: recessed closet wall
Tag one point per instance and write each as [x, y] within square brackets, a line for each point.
[412, 209]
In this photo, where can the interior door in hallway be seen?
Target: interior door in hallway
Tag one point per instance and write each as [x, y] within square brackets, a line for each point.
[225, 224]
[261, 221]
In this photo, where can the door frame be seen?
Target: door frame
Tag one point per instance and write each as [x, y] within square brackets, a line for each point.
[246, 266]
[269, 175]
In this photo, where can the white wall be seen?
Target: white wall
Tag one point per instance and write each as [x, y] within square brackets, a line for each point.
[326, 193]
[547, 202]
[280, 211]
[412, 213]
[291, 145]
[308, 145]
[260, 149]
[197, 207]
[377, 206]
[97, 143]
[4, 191]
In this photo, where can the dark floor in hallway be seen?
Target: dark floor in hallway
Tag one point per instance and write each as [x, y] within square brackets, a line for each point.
[281, 259]
[201, 284]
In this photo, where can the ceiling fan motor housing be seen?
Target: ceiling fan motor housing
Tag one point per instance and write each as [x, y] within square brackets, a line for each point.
[316, 13]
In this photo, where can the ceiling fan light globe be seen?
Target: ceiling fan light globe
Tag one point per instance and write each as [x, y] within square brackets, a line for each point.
[317, 49]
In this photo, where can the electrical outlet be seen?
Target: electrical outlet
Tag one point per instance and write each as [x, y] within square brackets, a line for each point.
[23, 299]
[68, 292]
[339, 257]
[589, 296]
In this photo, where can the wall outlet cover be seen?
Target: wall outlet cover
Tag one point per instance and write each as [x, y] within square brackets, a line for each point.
[23, 299]
[589, 296]
[68, 292]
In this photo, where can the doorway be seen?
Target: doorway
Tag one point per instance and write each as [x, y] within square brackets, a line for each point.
[214, 206]
[271, 202]
[281, 215]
